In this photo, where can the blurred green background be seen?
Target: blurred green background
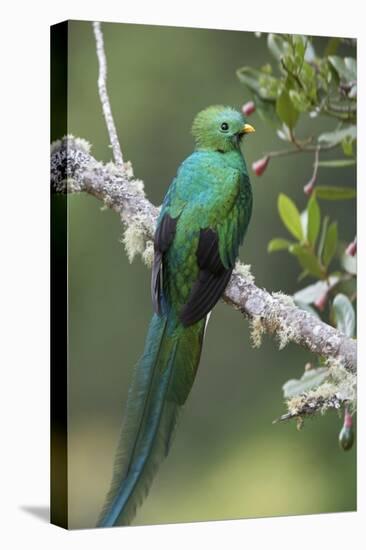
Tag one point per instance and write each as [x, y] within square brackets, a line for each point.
[228, 460]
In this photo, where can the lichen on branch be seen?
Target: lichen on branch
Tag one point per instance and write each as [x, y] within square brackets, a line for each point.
[75, 170]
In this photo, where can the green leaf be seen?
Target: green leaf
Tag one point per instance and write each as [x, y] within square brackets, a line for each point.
[344, 315]
[269, 86]
[278, 244]
[307, 260]
[277, 45]
[339, 163]
[308, 78]
[311, 293]
[313, 220]
[286, 109]
[284, 133]
[346, 68]
[330, 244]
[347, 287]
[347, 146]
[299, 101]
[337, 136]
[323, 234]
[290, 216]
[338, 64]
[249, 77]
[334, 193]
[351, 66]
[311, 379]
[300, 44]
[349, 263]
[267, 68]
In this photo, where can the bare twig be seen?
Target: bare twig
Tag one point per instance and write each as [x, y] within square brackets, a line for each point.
[316, 163]
[299, 149]
[312, 405]
[103, 94]
[316, 168]
[74, 170]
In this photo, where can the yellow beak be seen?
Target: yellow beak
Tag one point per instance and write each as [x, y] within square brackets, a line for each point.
[248, 129]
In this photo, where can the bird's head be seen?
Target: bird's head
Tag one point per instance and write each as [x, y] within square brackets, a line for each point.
[220, 128]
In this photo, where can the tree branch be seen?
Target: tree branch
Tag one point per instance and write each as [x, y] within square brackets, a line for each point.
[103, 94]
[74, 170]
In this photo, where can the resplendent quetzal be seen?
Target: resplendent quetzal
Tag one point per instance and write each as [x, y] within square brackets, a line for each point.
[202, 223]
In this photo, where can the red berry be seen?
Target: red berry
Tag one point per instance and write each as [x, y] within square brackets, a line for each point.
[347, 419]
[352, 248]
[347, 436]
[309, 187]
[260, 165]
[248, 108]
[320, 302]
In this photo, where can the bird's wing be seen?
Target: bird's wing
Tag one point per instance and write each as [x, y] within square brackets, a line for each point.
[220, 236]
[211, 282]
[164, 236]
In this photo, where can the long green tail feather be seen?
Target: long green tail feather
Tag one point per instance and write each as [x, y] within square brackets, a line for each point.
[161, 384]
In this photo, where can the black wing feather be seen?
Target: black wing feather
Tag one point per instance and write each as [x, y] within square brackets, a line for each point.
[164, 235]
[212, 280]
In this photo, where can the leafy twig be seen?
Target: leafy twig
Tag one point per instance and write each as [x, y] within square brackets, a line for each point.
[293, 75]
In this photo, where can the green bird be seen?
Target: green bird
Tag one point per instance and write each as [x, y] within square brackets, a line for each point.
[202, 222]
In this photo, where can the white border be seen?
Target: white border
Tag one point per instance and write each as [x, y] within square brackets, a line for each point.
[25, 271]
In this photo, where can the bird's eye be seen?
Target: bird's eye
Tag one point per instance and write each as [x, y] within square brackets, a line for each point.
[224, 126]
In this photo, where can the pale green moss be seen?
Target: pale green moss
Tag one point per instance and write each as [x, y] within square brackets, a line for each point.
[284, 335]
[138, 186]
[285, 299]
[257, 329]
[134, 240]
[320, 399]
[148, 253]
[129, 169]
[244, 271]
[80, 143]
[83, 144]
[345, 381]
